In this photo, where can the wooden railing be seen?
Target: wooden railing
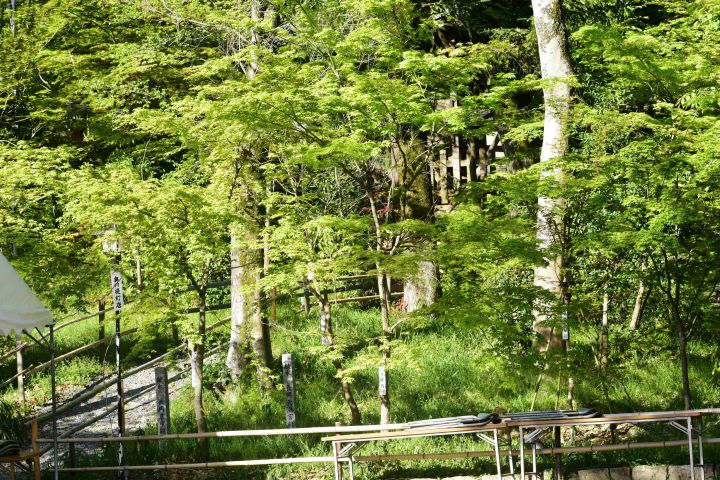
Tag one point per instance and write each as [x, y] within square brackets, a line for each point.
[330, 459]
[89, 392]
[21, 347]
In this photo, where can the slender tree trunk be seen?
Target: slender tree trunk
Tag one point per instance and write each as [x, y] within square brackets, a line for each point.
[635, 317]
[266, 271]
[101, 320]
[239, 279]
[555, 66]
[604, 333]
[175, 332]
[255, 16]
[421, 289]
[387, 333]
[682, 340]
[138, 268]
[337, 363]
[571, 393]
[197, 360]
[384, 294]
[478, 159]
[640, 300]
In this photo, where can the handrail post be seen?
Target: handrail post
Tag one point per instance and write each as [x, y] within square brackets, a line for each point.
[558, 456]
[35, 448]
[72, 458]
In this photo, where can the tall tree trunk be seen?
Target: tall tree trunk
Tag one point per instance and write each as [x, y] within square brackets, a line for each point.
[555, 66]
[384, 294]
[355, 414]
[138, 268]
[263, 357]
[197, 359]
[266, 271]
[387, 333]
[247, 295]
[421, 289]
[239, 279]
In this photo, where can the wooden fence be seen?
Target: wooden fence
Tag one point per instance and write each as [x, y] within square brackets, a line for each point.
[23, 372]
[330, 459]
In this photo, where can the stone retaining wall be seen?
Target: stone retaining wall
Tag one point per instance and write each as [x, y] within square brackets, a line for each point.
[646, 472]
[641, 472]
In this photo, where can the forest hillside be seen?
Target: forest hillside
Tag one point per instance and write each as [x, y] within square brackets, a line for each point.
[479, 205]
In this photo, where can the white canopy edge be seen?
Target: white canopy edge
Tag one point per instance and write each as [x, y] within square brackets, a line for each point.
[20, 308]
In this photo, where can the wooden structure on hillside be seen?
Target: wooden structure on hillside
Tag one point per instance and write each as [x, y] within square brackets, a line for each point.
[460, 160]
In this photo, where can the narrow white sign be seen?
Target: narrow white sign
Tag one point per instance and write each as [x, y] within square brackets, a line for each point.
[382, 382]
[289, 381]
[117, 291]
[323, 323]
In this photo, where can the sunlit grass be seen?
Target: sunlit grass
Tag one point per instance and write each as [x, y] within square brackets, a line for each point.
[436, 370]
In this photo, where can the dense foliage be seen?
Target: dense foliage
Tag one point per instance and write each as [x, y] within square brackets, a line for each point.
[306, 131]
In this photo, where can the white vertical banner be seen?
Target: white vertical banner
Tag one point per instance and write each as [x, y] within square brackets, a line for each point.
[117, 291]
[289, 380]
[382, 382]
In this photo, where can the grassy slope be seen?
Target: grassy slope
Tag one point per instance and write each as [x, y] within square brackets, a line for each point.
[438, 370]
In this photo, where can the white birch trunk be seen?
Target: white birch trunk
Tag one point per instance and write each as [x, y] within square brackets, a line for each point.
[421, 289]
[605, 332]
[239, 308]
[555, 67]
[639, 302]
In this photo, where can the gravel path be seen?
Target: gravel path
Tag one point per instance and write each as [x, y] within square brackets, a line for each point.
[139, 411]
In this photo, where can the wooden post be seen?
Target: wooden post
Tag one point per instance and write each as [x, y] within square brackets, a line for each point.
[336, 452]
[35, 448]
[558, 456]
[273, 306]
[289, 380]
[118, 304]
[72, 458]
[162, 400]
[20, 367]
